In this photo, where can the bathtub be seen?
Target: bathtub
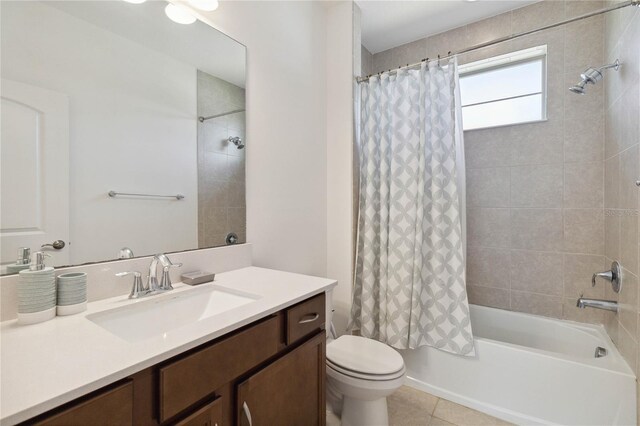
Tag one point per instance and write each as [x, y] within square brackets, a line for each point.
[531, 370]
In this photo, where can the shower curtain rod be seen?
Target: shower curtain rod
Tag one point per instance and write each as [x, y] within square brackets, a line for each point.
[511, 37]
[202, 119]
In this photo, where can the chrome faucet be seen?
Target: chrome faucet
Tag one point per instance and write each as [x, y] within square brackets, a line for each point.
[139, 290]
[607, 305]
[152, 281]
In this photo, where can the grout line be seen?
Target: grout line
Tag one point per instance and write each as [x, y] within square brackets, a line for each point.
[435, 406]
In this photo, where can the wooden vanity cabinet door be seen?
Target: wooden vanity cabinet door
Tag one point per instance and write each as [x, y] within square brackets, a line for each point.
[209, 415]
[188, 380]
[305, 318]
[111, 407]
[289, 391]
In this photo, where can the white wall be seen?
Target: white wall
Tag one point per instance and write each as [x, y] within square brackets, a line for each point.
[340, 69]
[132, 129]
[286, 130]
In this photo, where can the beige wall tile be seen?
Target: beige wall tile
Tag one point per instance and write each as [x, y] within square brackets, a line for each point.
[537, 272]
[612, 234]
[236, 219]
[583, 185]
[612, 182]
[584, 231]
[486, 148]
[488, 227]
[486, 267]
[215, 167]
[487, 296]
[536, 186]
[383, 61]
[629, 173]
[489, 29]
[537, 304]
[538, 15]
[453, 40]
[216, 220]
[536, 229]
[409, 53]
[628, 347]
[488, 187]
[629, 241]
[587, 32]
[537, 143]
[585, 144]
[612, 129]
[236, 194]
[628, 303]
[578, 269]
[575, 8]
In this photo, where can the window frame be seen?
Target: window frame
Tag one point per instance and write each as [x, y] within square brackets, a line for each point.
[534, 54]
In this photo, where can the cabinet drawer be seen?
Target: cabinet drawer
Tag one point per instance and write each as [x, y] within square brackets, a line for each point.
[209, 415]
[305, 318]
[190, 379]
[111, 407]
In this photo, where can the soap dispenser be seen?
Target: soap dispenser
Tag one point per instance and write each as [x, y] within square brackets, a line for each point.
[36, 291]
[24, 259]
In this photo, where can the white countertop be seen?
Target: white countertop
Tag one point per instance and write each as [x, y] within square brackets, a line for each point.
[45, 365]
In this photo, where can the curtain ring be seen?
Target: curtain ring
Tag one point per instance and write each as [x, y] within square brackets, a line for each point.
[438, 60]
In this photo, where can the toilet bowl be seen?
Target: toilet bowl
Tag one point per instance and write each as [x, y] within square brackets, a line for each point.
[363, 372]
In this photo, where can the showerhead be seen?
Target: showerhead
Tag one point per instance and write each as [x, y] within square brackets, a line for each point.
[578, 88]
[237, 141]
[592, 76]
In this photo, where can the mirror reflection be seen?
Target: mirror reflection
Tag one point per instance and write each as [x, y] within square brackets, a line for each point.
[123, 133]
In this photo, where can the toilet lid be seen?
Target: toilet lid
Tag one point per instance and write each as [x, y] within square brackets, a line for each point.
[363, 355]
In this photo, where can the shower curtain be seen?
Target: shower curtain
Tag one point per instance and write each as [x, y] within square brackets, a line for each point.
[409, 288]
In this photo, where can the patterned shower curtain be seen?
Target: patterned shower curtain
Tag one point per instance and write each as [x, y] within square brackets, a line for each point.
[410, 286]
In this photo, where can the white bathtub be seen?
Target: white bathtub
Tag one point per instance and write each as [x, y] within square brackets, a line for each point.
[531, 370]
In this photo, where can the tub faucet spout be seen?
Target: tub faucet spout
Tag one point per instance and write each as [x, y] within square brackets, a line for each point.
[607, 305]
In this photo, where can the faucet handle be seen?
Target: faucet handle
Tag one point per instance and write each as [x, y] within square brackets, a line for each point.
[607, 275]
[138, 289]
[614, 275]
[165, 282]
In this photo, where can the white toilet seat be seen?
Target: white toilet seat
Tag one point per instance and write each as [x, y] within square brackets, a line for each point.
[364, 358]
[364, 376]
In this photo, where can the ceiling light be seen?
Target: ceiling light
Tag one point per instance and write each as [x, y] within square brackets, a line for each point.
[179, 15]
[206, 5]
[135, 1]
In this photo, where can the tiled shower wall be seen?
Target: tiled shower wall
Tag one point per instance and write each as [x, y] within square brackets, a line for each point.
[622, 159]
[535, 196]
[221, 177]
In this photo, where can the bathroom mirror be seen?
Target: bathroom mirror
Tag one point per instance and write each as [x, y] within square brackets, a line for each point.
[120, 129]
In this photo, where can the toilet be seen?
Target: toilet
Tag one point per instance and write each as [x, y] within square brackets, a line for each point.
[361, 373]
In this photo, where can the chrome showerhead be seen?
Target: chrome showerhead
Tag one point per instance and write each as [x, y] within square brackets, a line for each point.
[592, 76]
[578, 88]
[237, 141]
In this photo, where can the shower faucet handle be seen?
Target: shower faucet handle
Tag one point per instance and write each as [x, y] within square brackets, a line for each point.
[614, 276]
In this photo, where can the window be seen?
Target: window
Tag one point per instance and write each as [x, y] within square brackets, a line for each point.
[503, 90]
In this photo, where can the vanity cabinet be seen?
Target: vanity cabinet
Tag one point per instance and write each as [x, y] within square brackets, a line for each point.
[112, 406]
[289, 391]
[270, 372]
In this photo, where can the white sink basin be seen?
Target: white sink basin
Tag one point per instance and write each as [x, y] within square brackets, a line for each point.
[161, 314]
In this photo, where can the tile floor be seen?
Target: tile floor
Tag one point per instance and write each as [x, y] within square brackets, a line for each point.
[411, 407]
